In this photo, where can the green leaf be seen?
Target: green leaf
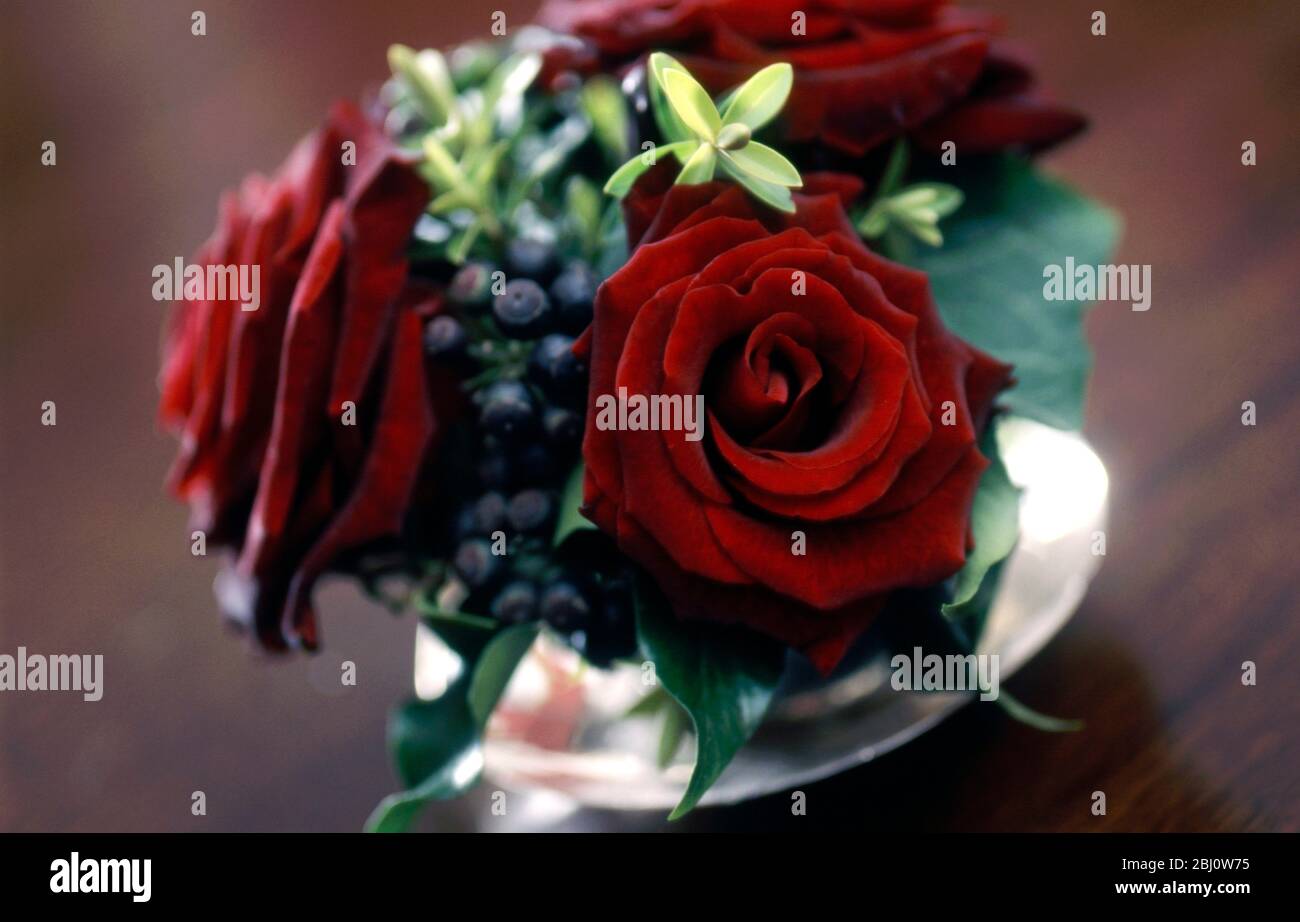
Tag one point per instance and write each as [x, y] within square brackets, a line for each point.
[873, 223]
[560, 143]
[895, 167]
[1018, 710]
[762, 162]
[995, 526]
[651, 703]
[494, 668]
[437, 745]
[676, 721]
[626, 176]
[459, 248]
[691, 102]
[922, 227]
[570, 518]
[938, 197]
[612, 249]
[699, 168]
[603, 104]
[761, 97]
[429, 81]
[438, 754]
[988, 281]
[447, 174]
[670, 124]
[768, 193]
[724, 677]
[583, 213]
[435, 615]
[503, 94]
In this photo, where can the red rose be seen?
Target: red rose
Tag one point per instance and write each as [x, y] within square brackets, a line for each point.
[266, 461]
[866, 71]
[825, 413]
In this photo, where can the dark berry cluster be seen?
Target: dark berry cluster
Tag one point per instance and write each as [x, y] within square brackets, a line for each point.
[511, 334]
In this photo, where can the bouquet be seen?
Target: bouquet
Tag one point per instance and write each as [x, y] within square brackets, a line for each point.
[678, 333]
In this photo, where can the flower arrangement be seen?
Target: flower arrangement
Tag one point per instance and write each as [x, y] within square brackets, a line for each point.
[677, 330]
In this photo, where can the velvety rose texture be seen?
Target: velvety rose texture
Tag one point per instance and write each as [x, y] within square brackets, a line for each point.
[258, 398]
[826, 373]
[866, 71]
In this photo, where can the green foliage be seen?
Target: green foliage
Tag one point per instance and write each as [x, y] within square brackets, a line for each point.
[437, 746]
[722, 677]
[497, 156]
[995, 526]
[570, 518]
[705, 140]
[915, 210]
[988, 280]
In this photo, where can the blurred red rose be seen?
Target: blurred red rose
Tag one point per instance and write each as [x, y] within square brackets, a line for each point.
[825, 393]
[866, 71]
[267, 461]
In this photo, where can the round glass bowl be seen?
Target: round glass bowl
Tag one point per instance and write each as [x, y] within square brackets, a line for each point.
[563, 728]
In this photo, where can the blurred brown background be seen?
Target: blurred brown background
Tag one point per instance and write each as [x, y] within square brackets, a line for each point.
[152, 123]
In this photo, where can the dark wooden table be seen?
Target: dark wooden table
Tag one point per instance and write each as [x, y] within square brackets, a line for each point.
[1201, 573]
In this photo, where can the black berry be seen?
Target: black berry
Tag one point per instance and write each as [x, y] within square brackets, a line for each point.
[530, 511]
[515, 603]
[495, 471]
[523, 310]
[563, 428]
[535, 464]
[564, 606]
[476, 563]
[444, 337]
[471, 286]
[555, 368]
[490, 513]
[531, 258]
[507, 410]
[574, 291]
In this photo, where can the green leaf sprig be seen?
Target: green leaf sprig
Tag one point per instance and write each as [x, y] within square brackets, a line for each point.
[485, 152]
[915, 210]
[706, 136]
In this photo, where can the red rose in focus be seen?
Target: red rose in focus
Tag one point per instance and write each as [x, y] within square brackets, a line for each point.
[866, 71]
[826, 374]
[258, 398]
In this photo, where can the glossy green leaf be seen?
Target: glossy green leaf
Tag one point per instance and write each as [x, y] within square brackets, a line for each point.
[988, 280]
[699, 168]
[675, 723]
[770, 194]
[994, 525]
[570, 518]
[495, 666]
[626, 176]
[437, 750]
[437, 745]
[670, 124]
[691, 102]
[762, 162]
[757, 101]
[724, 678]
